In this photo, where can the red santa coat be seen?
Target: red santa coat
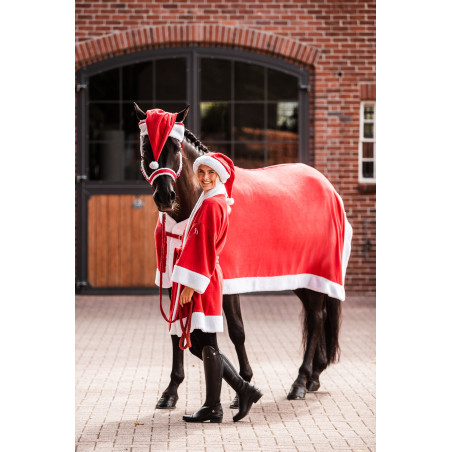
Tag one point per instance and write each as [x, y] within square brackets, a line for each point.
[197, 265]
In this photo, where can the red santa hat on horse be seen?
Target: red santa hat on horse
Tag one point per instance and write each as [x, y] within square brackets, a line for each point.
[158, 126]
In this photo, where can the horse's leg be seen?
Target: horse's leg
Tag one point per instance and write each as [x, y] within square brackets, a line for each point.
[169, 396]
[313, 303]
[231, 308]
[319, 365]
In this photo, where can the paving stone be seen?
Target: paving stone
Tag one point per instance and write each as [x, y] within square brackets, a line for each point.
[123, 364]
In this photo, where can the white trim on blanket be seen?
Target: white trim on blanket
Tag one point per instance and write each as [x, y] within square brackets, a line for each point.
[200, 321]
[190, 278]
[285, 282]
[348, 234]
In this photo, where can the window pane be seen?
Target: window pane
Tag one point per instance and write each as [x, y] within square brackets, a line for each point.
[104, 86]
[368, 112]
[170, 75]
[282, 153]
[215, 121]
[283, 121]
[132, 161]
[224, 148]
[249, 122]
[248, 81]
[249, 155]
[137, 82]
[95, 171]
[368, 150]
[368, 170]
[107, 158]
[102, 117]
[114, 159]
[130, 121]
[172, 107]
[215, 79]
[368, 130]
[282, 86]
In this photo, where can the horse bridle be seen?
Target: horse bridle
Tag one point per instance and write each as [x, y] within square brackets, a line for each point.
[160, 171]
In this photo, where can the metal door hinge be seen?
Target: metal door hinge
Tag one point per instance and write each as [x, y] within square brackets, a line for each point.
[81, 86]
[304, 87]
[81, 177]
[79, 284]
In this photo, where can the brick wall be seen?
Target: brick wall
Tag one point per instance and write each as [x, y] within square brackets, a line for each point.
[334, 39]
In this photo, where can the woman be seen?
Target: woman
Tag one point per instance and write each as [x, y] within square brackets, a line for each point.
[198, 281]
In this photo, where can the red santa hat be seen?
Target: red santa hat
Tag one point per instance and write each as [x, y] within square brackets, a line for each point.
[223, 166]
[159, 125]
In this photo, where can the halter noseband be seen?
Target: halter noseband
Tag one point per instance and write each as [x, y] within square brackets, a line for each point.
[178, 134]
[163, 172]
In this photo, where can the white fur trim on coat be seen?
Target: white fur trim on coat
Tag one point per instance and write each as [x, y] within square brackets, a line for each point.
[200, 321]
[190, 278]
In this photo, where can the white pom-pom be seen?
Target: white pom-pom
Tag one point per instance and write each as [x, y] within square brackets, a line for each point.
[153, 165]
[229, 201]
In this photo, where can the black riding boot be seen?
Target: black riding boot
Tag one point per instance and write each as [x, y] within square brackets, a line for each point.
[213, 371]
[248, 394]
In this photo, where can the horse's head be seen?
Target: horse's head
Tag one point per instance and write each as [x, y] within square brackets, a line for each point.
[162, 176]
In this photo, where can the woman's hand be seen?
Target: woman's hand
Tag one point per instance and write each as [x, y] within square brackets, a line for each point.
[185, 296]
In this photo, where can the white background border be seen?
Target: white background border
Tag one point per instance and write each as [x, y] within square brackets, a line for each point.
[414, 306]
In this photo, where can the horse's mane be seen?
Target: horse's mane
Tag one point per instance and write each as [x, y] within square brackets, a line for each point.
[191, 137]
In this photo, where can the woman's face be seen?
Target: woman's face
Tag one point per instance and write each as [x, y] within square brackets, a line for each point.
[207, 177]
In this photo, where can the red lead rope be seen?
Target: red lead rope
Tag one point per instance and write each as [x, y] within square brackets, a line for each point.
[185, 328]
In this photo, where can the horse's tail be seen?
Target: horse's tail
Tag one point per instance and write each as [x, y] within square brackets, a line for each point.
[332, 326]
[332, 318]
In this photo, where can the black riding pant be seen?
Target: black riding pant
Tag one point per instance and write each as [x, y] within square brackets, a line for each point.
[199, 340]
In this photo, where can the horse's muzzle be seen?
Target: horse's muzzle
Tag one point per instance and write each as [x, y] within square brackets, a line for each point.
[165, 201]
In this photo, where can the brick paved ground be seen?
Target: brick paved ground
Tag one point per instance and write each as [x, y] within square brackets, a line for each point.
[123, 363]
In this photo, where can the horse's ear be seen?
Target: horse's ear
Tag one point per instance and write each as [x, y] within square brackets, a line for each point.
[182, 114]
[139, 112]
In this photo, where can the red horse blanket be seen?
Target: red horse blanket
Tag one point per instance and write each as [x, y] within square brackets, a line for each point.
[288, 230]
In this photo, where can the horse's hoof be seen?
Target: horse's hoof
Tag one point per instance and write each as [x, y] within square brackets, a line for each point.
[312, 385]
[297, 393]
[235, 402]
[167, 401]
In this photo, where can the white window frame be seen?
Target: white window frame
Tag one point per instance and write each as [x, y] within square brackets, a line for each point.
[362, 140]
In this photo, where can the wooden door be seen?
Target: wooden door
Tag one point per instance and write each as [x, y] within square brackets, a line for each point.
[121, 249]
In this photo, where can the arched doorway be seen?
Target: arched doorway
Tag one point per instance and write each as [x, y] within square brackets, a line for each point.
[251, 107]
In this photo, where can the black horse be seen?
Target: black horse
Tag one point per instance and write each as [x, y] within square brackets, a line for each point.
[322, 313]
